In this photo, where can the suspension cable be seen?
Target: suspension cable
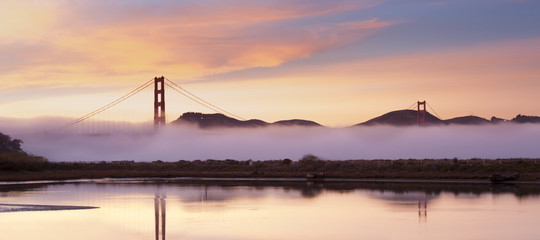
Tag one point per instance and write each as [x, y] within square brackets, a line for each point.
[111, 104]
[201, 101]
[433, 111]
[410, 107]
[192, 99]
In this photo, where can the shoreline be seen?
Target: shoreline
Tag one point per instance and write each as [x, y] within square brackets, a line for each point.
[6, 208]
[306, 187]
[309, 168]
[169, 179]
[305, 176]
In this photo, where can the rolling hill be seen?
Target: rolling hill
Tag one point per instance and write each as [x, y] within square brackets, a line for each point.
[394, 118]
[401, 118]
[218, 120]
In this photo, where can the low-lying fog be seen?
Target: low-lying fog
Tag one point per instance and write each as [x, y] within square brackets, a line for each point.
[174, 143]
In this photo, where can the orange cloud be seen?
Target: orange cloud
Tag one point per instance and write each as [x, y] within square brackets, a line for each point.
[363, 25]
[25, 20]
[186, 39]
[243, 12]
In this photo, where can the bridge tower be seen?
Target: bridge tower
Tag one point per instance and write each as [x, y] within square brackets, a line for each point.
[159, 101]
[421, 114]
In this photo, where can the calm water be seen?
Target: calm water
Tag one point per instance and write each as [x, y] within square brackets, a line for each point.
[297, 210]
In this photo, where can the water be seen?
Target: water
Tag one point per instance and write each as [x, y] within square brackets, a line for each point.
[236, 210]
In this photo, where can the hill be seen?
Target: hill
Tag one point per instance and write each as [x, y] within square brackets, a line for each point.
[467, 120]
[525, 119]
[218, 120]
[408, 118]
[394, 118]
[297, 122]
[401, 118]
[203, 120]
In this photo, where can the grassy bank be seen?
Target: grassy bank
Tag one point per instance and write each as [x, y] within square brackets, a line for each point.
[309, 165]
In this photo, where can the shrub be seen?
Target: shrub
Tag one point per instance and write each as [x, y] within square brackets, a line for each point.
[309, 158]
[21, 161]
[286, 162]
[9, 145]
[310, 162]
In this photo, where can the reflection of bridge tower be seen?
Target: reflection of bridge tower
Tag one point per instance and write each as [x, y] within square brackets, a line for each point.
[204, 197]
[159, 204]
[422, 206]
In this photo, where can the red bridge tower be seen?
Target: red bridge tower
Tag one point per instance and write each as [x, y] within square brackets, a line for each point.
[159, 101]
[421, 114]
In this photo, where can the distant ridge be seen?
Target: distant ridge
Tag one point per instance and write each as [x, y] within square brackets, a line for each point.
[394, 118]
[468, 120]
[218, 120]
[401, 118]
[408, 118]
[526, 119]
[297, 122]
[204, 120]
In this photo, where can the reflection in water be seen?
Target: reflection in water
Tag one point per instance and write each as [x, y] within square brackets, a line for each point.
[256, 210]
[159, 203]
[422, 207]
[204, 197]
[312, 189]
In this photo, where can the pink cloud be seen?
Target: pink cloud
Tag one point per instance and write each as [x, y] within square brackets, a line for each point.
[212, 12]
[187, 39]
[373, 23]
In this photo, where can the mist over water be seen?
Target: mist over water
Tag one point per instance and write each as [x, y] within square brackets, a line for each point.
[174, 143]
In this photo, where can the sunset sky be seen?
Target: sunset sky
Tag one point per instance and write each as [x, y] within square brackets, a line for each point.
[337, 62]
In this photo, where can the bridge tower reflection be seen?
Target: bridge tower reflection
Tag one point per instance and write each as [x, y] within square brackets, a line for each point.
[422, 207]
[159, 210]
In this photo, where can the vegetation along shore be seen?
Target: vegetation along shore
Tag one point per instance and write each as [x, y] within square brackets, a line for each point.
[17, 165]
[12, 168]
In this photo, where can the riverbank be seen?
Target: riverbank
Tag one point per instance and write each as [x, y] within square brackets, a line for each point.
[309, 167]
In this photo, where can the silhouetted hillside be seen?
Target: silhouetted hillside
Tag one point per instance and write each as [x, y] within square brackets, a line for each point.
[395, 118]
[401, 118]
[497, 120]
[204, 120]
[253, 123]
[297, 122]
[525, 119]
[216, 120]
[408, 118]
[467, 120]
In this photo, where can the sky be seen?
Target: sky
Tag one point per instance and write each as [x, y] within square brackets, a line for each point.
[337, 62]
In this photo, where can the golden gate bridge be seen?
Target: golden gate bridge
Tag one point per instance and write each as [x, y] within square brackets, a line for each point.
[130, 111]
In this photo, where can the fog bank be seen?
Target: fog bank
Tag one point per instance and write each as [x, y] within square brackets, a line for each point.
[184, 143]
